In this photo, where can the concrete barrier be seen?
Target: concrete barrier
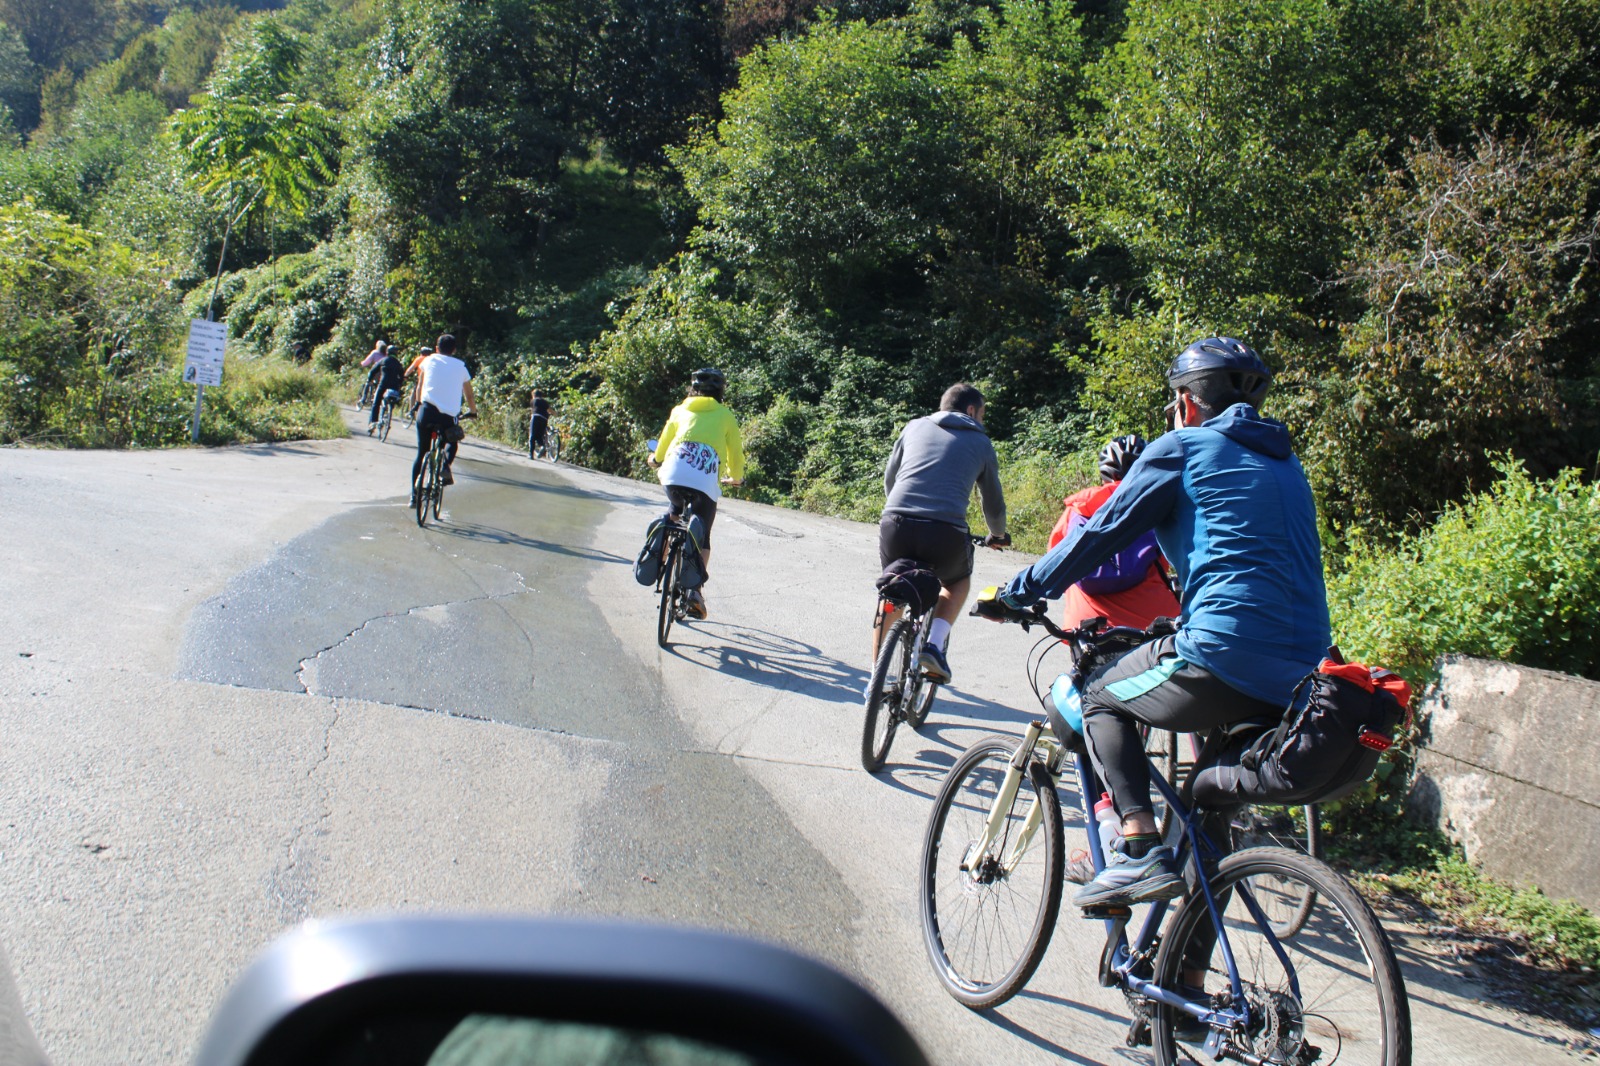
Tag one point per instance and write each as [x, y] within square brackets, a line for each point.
[1511, 771]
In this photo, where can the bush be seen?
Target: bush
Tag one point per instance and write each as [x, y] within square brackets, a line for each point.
[1511, 574]
[268, 400]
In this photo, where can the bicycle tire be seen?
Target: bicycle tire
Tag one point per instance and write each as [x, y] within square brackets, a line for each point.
[383, 422]
[1351, 989]
[669, 591]
[423, 489]
[955, 904]
[922, 703]
[552, 443]
[883, 696]
[1268, 825]
[438, 482]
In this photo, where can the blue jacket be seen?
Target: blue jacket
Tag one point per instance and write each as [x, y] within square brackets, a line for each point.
[1233, 513]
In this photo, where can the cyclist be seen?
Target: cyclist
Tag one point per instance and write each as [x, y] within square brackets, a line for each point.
[380, 348]
[1231, 508]
[1131, 589]
[443, 381]
[391, 375]
[415, 370]
[928, 481]
[700, 440]
[538, 421]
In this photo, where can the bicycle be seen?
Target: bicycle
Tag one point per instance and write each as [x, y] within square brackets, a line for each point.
[386, 413]
[1297, 827]
[551, 448]
[428, 490]
[368, 391]
[674, 605]
[991, 882]
[899, 691]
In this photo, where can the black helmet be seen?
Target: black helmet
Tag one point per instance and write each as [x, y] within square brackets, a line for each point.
[1119, 455]
[708, 381]
[1221, 371]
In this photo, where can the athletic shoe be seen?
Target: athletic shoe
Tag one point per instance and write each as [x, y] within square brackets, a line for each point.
[694, 601]
[1127, 880]
[934, 666]
[446, 478]
[370, 427]
[413, 502]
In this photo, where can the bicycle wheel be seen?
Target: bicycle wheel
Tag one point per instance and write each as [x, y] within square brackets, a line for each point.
[889, 676]
[922, 703]
[1295, 828]
[422, 491]
[438, 483]
[986, 921]
[552, 444]
[669, 590]
[1351, 1007]
[383, 421]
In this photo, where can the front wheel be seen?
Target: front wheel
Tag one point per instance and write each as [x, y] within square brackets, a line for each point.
[890, 675]
[987, 919]
[1332, 993]
[552, 445]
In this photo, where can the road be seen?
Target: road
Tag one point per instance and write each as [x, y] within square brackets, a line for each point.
[240, 688]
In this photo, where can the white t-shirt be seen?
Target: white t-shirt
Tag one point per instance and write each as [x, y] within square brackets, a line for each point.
[692, 465]
[443, 377]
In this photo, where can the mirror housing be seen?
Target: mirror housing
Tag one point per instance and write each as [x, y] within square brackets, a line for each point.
[311, 991]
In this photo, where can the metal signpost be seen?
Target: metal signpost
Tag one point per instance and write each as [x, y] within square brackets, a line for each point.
[207, 342]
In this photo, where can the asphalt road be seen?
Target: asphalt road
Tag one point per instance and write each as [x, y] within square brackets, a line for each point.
[240, 688]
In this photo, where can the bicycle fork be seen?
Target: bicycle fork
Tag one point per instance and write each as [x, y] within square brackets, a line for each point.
[979, 859]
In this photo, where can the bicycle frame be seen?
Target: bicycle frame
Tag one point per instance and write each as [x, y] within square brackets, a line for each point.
[1122, 957]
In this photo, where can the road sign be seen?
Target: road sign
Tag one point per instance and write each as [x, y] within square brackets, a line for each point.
[207, 343]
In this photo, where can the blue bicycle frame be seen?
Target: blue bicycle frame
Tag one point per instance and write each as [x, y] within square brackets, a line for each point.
[1123, 962]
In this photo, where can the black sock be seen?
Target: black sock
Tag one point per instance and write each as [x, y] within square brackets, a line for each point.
[1138, 845]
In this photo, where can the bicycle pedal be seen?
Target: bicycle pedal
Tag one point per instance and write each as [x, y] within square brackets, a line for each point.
[1108, 911]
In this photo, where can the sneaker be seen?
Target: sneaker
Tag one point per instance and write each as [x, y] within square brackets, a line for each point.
[370, 427]
[1080, 868]
[413, 502]
[934, 666]
[446, 478]
[694, 601]
[1127, 880]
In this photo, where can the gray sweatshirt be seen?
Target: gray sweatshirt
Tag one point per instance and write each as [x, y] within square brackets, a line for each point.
[933, 467]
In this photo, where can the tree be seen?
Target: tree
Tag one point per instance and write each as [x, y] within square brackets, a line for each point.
[60, 33]
[252, 139]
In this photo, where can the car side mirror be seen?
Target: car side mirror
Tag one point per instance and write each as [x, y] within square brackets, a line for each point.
[479, 991]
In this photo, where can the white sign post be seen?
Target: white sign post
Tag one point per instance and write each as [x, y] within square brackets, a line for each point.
[203, 365]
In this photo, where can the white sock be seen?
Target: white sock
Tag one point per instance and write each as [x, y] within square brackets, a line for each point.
[939, 633]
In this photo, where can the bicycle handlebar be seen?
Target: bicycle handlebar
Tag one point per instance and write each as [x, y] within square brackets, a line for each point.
[989, 605]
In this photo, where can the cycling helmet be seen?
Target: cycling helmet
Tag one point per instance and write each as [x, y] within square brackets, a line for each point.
[1221, 371]
[1119, 455]
[708, 382]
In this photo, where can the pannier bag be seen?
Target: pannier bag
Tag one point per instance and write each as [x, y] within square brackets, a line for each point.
[647, 567]
[693, 574]
[1340, 721]
[910, 584]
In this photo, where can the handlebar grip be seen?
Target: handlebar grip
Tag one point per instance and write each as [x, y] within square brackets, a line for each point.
[988, 605]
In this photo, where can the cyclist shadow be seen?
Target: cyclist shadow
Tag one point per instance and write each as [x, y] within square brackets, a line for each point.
[774, 661]
[1044, 1043]
[493, 535]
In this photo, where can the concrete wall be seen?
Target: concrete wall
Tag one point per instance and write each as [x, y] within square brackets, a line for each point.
[1511, 770]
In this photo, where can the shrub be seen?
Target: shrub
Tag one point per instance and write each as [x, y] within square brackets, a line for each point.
[1511, 574]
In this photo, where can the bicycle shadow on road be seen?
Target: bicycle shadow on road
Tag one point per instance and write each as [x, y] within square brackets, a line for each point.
[494, 535]
[1046, 1044]
[773, 661]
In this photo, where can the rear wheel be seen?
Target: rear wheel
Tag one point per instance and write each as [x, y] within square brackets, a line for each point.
[890, 675]
[422, 490]
[1333, 993]
[552, 444]
[384, 420]
[669, 590]
[987, 919]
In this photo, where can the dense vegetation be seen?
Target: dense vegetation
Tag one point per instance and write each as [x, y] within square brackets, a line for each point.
[848, 206]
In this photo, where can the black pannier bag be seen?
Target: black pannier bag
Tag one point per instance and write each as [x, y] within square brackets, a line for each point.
[909, 583]
[1341, 720]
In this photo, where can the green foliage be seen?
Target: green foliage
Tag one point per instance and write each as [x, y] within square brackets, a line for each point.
[74, 307]
[1511, 574]
[269, 400]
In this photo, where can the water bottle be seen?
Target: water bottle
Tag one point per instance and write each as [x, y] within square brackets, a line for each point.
[1110, 826]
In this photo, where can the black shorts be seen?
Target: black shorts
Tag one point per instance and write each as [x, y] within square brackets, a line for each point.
[695, 501]
[942, 547]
